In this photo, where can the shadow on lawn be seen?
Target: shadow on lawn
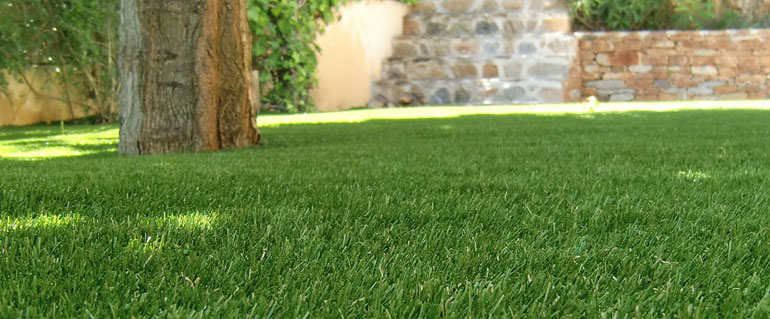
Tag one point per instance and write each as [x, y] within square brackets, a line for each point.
[91, 141]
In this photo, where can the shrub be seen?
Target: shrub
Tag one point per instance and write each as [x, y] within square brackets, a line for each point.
[608, 15]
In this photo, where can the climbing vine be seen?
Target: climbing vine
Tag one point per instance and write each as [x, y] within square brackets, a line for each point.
[285, 49]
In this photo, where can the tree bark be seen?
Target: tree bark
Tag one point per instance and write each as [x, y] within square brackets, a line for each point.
[185, 76]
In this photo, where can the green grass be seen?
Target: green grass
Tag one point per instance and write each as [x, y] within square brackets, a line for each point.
[588, 215]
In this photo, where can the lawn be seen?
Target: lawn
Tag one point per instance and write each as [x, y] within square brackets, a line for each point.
[449, 213]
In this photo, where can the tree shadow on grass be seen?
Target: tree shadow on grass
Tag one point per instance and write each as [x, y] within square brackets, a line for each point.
[46, 131]
[46, 142]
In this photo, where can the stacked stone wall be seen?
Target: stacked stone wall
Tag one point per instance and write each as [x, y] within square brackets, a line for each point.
[672, 65]
[479, 52]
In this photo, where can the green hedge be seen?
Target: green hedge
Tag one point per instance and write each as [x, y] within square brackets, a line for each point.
[599, 15]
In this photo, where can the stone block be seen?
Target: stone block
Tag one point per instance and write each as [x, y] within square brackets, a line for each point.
[548, 70]
[466, 47]
[513, 5]
[764, 61]
[618, 75]
[713, 84]
[655, 59]
[748, 62]
[675, 69]
[526, 47]
[435, 28]
[662, 44]
[603, 59]
[426, 70]
[726, 60]
[550, 95]
[626, 58]
[486, 28]
[640, 68]
[491, 48]
[736, 96]
[424, 7]
[622, 97]
[562, 46]
[440, 97]
[489, 6]
[490, 71]
[629, 45]
[725, 89]
[590, 76]
[747, 45]
[512, 70]
[587, 91]
[439, 49]
[403, 50]
[704, 60]
[700, 90]
[465, 71]
[639, 84]
[411, 26]
[705, 70]
[679, 60]
[659, 72]
[605, 84]
[668, 97]
[706, 52]
[514, 93]
[686, 83]
[462, 96]
[728, 71]
[602, 45]
[457, 6]
[558, 24]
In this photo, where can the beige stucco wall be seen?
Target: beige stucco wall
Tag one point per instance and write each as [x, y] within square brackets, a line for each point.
[352, 52]
[19, 105]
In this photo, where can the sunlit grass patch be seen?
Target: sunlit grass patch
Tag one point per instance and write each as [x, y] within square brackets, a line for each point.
[693, 176]
[41, 222]
[49, 142]
[356, 116]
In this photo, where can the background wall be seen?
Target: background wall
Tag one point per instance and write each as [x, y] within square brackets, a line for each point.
[352, 52]
[675, 65]
[19, 105]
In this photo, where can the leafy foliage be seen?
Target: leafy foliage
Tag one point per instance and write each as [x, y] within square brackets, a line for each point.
[285, 50]
[654, 15]
[78, 37]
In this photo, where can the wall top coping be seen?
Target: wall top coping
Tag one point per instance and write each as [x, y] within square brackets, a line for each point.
[668, 33]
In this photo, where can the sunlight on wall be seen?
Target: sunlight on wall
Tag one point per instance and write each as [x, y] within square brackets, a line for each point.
[352, 51]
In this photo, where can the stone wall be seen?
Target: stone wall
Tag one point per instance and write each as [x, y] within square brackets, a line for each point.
[479, 52]
[672, 65]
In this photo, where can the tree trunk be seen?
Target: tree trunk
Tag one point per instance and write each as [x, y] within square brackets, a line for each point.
[185, 76]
